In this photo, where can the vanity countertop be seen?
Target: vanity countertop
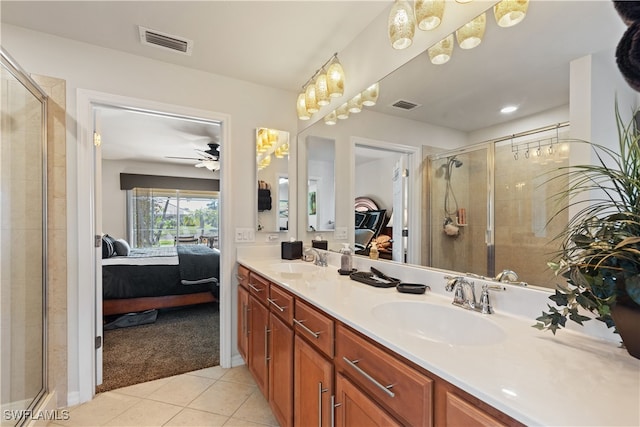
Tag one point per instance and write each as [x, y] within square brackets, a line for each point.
[567, 380]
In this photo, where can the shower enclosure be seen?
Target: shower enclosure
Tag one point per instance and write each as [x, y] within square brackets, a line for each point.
[23, 248]
[490, 207]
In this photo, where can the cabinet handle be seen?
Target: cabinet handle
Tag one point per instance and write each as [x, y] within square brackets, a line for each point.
[316, 335]
[320, 391]
[255, 288]
[245, 330]
[334, 405]
[275, 304]
[266, 345]
[369, 377]
[241, 278]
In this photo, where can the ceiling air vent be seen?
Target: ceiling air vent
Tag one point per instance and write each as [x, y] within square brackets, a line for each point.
[165, 41]
[405, 105]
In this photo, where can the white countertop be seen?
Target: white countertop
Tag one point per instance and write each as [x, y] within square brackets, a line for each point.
[568, 380]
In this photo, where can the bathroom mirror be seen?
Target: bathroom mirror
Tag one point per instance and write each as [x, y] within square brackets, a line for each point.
[272, 161]
[320, 189]
[443, 108]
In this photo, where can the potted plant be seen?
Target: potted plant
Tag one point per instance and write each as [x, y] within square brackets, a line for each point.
[599, 254]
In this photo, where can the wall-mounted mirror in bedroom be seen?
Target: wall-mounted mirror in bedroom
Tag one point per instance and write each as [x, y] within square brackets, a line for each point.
[272, 160]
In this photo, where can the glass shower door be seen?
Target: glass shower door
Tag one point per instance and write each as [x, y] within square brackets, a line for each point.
[23, 243]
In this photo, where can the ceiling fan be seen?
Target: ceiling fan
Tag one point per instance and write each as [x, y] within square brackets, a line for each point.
[209, 159]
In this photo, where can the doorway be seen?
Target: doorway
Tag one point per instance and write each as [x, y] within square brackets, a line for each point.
[89, 187]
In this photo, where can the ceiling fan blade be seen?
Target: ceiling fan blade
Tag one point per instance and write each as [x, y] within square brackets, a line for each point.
[184, 158]
[200, 165]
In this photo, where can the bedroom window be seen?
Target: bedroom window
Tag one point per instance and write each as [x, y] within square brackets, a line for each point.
[159, 217]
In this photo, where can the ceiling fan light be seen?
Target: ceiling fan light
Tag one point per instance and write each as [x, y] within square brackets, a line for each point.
[510, 12]
[310, 99]
[331, 118]
[342, 112]
[470, 34]
[370, 95]
[429, 13]
[211, 165]
[355, 104]
[440, 53]
[301, 108]
[402, 24]
[335, 79]
[322, 90]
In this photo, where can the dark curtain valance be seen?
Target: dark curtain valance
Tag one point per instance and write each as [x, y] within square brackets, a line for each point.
[129, 181]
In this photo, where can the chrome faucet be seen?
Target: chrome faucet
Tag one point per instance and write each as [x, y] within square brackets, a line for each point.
[319, 259]
[464, 294]
[509, 276]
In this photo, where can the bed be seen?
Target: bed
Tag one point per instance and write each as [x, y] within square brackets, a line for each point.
[153, 278]
[369, 222]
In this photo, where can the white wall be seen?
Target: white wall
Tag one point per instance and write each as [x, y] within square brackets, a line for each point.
[93, 68]
[114, 200]
[374, 179]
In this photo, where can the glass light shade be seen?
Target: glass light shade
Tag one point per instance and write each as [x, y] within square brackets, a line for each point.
[464, 1]
[355, 104]
[265, 139]
[278, 153]
[370, 95]
[310, 99]
[266, 161]
[322, 90]
[342, 112]
[440, 52]
[301, 108]
[429, 13]
[335, 79]
[402, 24]
[331, 118]
[470, 34]
[510, 12]
[272, 137]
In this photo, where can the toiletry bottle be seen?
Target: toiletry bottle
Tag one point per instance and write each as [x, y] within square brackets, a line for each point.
[345, 258]
[373, 252]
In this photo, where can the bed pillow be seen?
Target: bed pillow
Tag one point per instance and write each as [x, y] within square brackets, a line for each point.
[108, 247]
[121, 247]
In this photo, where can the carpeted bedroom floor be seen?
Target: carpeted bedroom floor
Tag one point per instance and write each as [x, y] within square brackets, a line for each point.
[181, 340]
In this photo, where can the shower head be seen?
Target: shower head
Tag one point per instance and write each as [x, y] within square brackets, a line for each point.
[457, 163]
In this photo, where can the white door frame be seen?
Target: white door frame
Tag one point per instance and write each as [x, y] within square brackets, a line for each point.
[414, 182]
[87, 253]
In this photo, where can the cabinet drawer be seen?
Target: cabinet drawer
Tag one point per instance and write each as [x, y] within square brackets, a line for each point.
[243, 276]
[460, 412]
[315, 326]
[259, 287]
[404, 391]
[281, 303]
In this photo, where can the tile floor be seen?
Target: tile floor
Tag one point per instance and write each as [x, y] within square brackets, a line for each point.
[208, 397]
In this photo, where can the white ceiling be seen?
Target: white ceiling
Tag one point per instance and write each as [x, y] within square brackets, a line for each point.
[527, 65]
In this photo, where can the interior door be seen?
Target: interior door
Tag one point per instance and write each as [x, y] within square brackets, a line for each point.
[400, 231]
[97, 149]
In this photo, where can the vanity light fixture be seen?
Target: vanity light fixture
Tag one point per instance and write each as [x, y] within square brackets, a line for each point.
[343, 112]
[470, 34]
[268, 142]
[508, 109]
[331, 118]
[464, 1]
[440, 53]
[510, 12]
[320, 88]
[429, 13]
[402, 24]
[355, 104]
[370, 95]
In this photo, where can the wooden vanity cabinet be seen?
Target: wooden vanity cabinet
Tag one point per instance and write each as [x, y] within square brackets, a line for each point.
[354, 408]
[281, 355]
[258, 337]
[243, 311]
[313, 386]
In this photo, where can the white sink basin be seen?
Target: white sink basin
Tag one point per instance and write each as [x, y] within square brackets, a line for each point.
[294, 269]
[450, 325]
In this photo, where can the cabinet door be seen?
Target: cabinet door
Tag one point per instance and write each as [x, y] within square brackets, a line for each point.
[258, 336]
[281, 371]
[243, 322]
[313, 386]
[356, 409]
[459, 412]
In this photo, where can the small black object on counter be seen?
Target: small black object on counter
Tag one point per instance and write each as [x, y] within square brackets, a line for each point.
[412, 288]
[291, 250]
[347, 272]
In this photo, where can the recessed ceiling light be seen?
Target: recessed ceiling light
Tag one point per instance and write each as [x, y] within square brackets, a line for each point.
[508, 109]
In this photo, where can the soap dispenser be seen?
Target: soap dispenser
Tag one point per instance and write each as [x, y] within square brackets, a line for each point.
[373, 251]
[345, 260]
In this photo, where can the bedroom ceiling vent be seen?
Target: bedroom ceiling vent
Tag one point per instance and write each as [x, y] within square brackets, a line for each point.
[405, 105]
[162, 40]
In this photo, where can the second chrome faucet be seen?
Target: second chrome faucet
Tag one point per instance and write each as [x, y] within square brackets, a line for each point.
[464, 294]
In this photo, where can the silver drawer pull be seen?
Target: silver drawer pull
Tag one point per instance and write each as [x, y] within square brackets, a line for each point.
[273, 302]
[369, 377]
[316, 335]
[255, 288]
[241, 278]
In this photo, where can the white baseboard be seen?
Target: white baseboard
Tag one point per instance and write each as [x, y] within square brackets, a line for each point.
[73, 398]
[237, 360]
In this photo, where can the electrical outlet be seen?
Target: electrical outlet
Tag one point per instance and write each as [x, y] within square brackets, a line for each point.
[239, 235]
[340, 233]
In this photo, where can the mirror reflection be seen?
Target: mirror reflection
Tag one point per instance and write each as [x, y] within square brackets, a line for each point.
[496, 208]
[272, 160]
[320, 184]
